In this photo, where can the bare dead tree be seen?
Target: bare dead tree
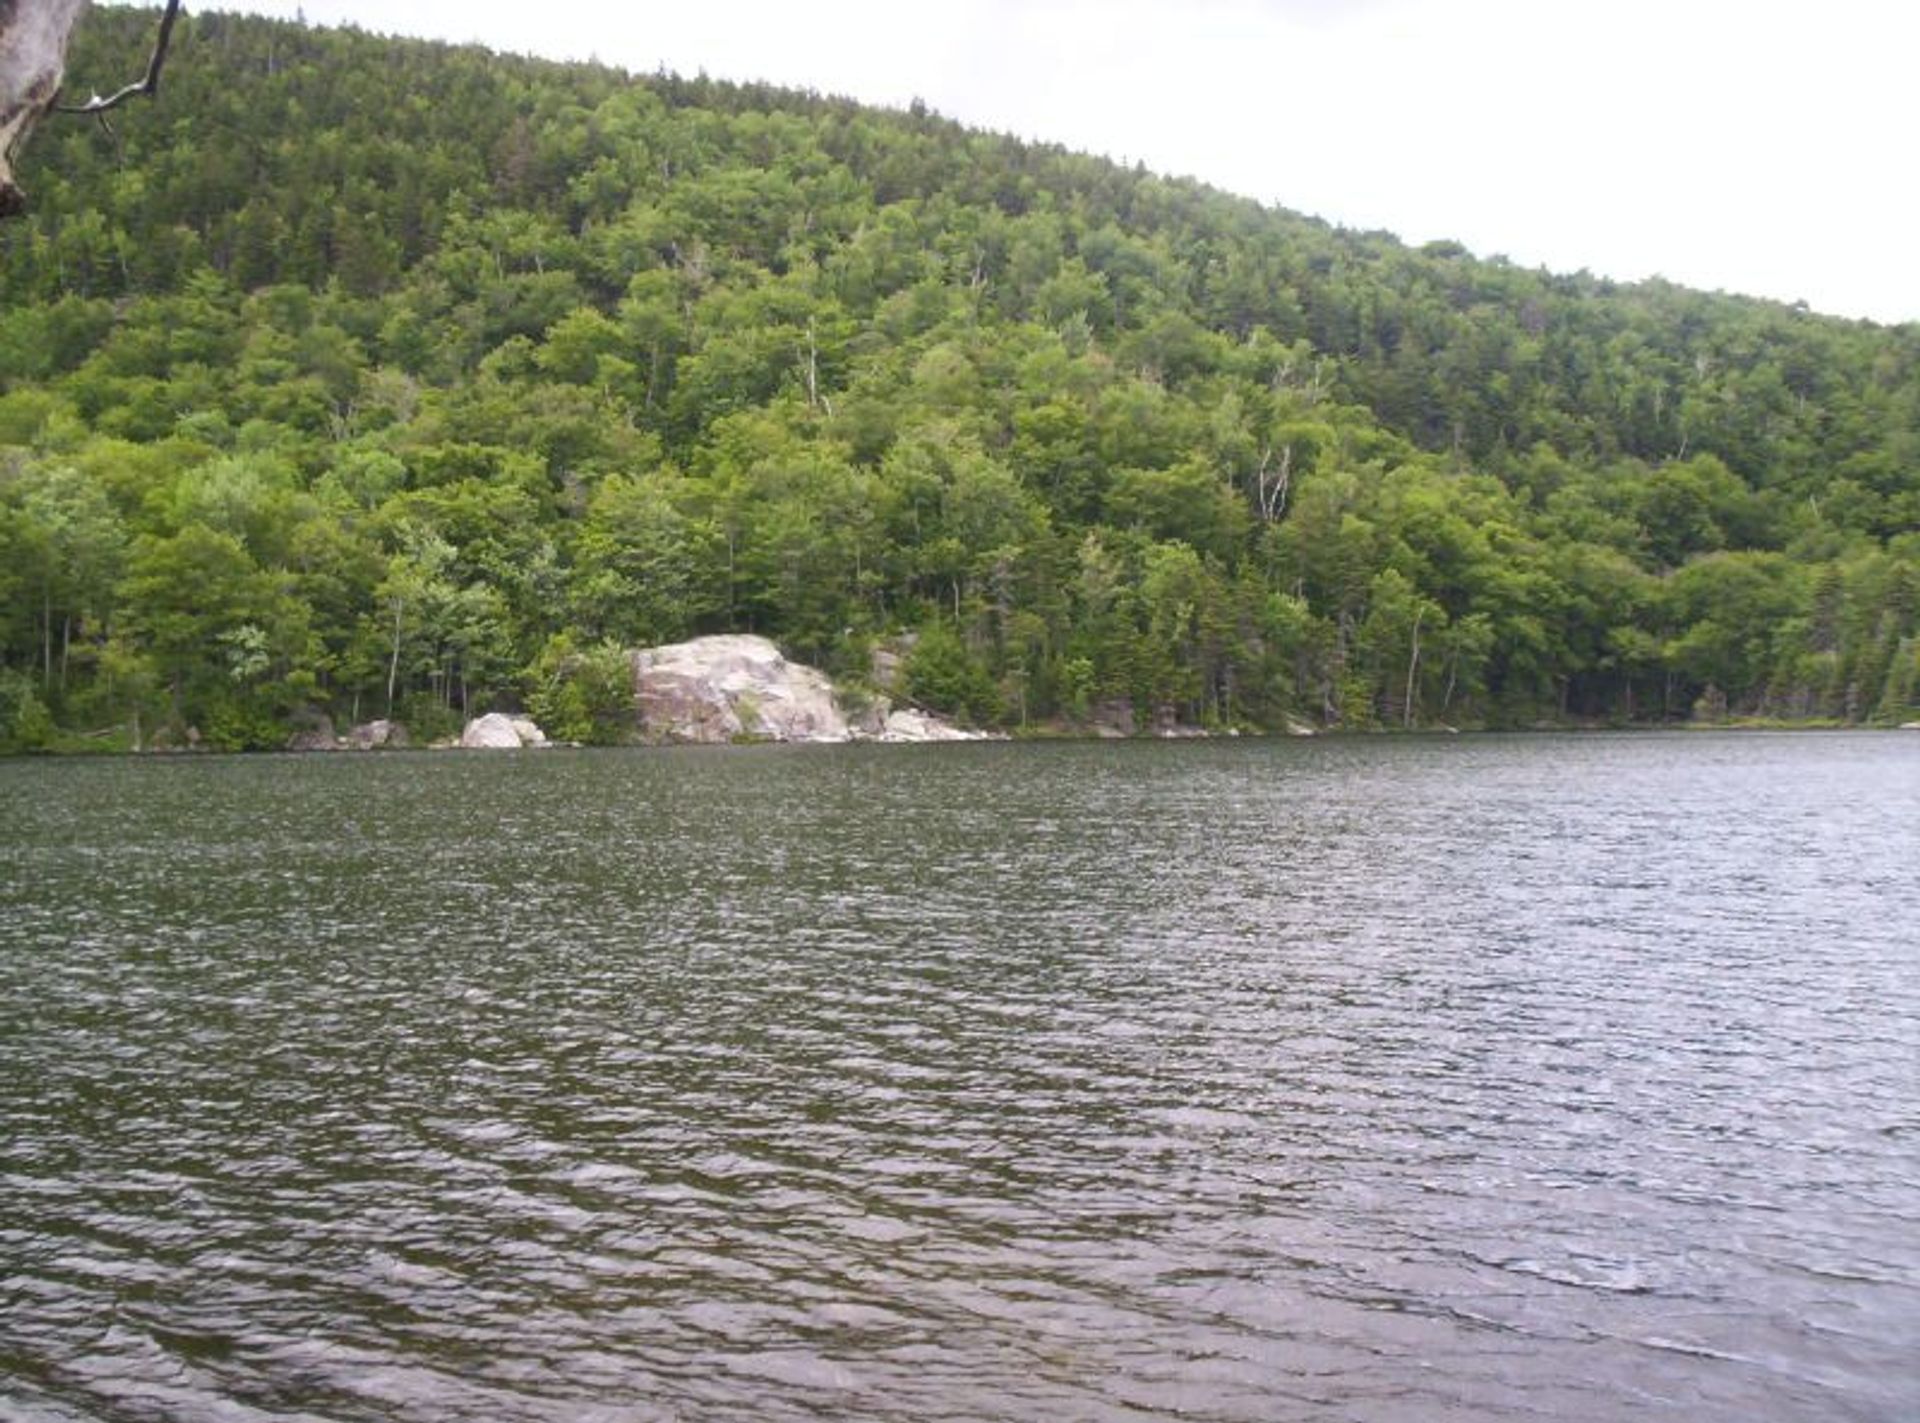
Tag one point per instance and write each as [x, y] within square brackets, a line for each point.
[34, 35]
[1272, 483]
[1413, 668]
[148, 84]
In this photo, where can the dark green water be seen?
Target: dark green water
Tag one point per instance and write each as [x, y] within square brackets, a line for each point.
[1460, 1079]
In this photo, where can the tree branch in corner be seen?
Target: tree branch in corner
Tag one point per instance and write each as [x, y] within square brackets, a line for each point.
[147, 84]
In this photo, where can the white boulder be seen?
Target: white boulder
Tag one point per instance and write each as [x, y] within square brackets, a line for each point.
[496, 731]
[909, 724]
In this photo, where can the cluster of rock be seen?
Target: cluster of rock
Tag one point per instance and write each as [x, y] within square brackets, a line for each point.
[911, 725]
[710, 691]
[740, 688]
[1118, 720]
[319, 735]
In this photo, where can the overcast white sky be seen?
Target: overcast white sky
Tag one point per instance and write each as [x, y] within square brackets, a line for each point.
[1748, 145]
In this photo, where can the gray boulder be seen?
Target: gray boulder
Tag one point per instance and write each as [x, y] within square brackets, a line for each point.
[315, 734]
[377, 735]
[866, 716]
[1113, 719]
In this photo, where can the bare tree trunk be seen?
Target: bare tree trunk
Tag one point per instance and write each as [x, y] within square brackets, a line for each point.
[1413, 668]
[1271, 485]
[46, 634]
[393, 665]
[33, 58]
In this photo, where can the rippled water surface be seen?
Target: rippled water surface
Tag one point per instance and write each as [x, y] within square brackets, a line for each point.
[1556, 1078]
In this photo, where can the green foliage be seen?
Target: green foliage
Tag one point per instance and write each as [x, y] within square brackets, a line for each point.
[237, 722]
[25, 723]
[403, 377]
[583, 695]
[944, 676]
[428, 718]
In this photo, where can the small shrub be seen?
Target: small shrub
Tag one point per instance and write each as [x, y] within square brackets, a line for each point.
[583, 695]
[25, 722]
[943, 676]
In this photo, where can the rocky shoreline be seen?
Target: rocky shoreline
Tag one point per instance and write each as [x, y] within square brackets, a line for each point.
[711, 691]
[734, 689]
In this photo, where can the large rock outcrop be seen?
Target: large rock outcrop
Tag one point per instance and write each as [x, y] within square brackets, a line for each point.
[715, 690]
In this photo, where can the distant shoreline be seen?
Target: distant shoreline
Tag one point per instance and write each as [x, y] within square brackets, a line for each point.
[97, 749]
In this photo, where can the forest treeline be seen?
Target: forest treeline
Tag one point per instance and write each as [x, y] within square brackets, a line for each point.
[366, 376]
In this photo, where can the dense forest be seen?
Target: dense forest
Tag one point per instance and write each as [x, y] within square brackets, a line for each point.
[363, 377]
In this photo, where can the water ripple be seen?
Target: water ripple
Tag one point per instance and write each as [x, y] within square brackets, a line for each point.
[1377, 1081]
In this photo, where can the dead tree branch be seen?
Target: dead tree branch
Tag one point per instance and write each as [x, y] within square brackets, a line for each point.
[148, 84]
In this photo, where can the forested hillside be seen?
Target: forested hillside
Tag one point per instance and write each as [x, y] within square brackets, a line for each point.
[359, 374]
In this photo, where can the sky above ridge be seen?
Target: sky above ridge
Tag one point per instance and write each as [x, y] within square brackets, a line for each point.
[1754, 146]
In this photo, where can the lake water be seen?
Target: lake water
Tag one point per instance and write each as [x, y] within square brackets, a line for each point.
[1397, 1081]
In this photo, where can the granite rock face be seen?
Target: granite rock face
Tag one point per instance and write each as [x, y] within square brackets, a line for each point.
[715, 690]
